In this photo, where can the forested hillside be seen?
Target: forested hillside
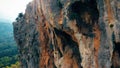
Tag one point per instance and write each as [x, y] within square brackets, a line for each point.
[8, 48]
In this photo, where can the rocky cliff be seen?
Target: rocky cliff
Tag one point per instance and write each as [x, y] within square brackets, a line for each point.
[69, 34]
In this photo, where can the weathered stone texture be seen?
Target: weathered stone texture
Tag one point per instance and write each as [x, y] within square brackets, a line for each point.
[69, 34]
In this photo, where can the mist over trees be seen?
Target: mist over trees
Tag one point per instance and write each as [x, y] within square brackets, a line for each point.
[8, 48]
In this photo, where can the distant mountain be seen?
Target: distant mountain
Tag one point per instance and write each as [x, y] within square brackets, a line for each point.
[2, 20]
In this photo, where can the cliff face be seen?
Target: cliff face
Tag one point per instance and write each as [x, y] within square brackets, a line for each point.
[69, 34]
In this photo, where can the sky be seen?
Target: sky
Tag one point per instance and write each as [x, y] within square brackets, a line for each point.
[9, 9]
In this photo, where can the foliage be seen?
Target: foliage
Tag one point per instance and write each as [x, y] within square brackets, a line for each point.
[16, 65]
[8, 48]
[20, 15]
[7, 61]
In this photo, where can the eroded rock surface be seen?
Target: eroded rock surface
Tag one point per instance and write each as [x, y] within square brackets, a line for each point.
[69, 34]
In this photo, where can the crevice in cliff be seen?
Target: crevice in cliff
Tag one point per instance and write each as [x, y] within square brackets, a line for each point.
[86, 17]
[67, 40]
[85, 14]
[69, 48]
[116, 55]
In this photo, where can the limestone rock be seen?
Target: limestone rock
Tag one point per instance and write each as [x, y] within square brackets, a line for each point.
[69, 34]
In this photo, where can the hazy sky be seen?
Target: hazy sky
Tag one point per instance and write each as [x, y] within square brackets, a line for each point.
[9, 9]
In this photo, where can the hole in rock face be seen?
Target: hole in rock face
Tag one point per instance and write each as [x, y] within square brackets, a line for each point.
[116, 55]
[85, 14]
[117, 47]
